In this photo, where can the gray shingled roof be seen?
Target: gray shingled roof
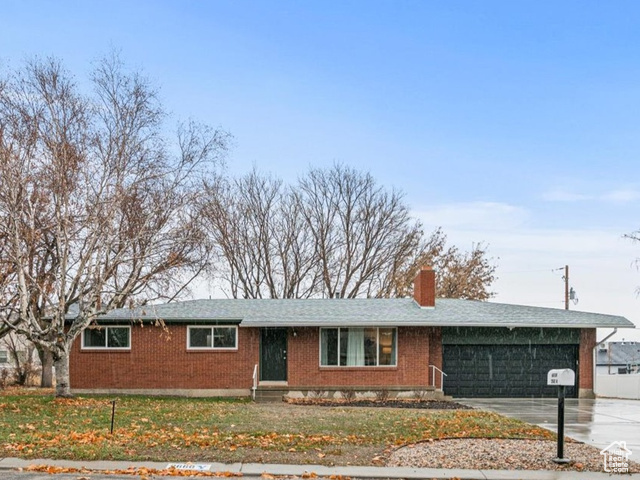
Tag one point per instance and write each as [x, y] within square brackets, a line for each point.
[369, 311]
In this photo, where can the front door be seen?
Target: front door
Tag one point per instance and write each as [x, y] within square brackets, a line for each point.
[273, 355]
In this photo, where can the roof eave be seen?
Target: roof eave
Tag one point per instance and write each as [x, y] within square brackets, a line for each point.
[425, 324]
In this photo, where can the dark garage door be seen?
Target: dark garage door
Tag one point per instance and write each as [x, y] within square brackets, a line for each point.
[486, 371]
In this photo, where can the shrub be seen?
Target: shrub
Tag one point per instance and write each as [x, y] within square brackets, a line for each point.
[348, 394]
[421, 395]
[317, 393]
[382, 395]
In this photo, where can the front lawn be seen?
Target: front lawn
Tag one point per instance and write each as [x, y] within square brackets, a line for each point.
[214, 430]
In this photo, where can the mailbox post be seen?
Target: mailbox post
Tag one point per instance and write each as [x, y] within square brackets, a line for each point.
[562, 378]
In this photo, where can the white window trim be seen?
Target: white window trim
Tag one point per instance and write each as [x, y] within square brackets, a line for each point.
[377, 365]
[211, 348]
[106, 327]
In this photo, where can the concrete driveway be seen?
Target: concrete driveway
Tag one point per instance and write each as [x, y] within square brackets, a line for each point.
[598, 422]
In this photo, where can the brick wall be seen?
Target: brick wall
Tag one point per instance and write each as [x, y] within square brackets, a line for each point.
[412, 368]
[435, 354]
[156, 362]
[585, 375]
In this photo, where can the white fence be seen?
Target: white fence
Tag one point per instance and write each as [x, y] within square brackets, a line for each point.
[618, 386]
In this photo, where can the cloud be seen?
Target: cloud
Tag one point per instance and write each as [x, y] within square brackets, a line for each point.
[508, 230]
[564, 196]
[473, 216]
[621, 195]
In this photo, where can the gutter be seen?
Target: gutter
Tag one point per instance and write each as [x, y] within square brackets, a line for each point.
[594, 357]
[412, 323]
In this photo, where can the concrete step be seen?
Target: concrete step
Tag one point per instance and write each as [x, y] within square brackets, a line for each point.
[270, 395]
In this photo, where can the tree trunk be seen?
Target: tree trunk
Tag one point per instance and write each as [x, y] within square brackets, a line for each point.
[46, 360]
[63, 385]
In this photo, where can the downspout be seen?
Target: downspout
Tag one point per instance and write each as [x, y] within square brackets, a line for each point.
[595, 366]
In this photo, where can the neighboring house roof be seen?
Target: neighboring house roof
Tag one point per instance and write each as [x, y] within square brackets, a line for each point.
[619, 353]
[364, 312]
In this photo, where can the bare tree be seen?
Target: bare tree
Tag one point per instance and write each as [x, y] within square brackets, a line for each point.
[97, 206]
[24, 215]
[361, 231]
[258, 229]
[8, 295]
[337, 233]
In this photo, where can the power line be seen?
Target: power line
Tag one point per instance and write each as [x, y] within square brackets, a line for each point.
[524, 271]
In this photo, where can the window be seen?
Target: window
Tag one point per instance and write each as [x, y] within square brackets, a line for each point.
[358, 347]
[216, 338]
[107, 337]
[4, 357]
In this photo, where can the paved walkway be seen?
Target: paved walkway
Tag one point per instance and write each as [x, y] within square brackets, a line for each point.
[257, 469]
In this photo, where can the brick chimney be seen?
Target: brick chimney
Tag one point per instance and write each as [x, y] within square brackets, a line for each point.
[424, 287]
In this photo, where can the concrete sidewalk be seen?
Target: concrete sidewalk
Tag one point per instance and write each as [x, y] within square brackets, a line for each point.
[257, 469]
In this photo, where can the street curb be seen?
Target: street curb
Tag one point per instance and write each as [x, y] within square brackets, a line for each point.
[258, 469]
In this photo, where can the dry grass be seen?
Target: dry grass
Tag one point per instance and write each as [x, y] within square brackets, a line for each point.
[179, 429]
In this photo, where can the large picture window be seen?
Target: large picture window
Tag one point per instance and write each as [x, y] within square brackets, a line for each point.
[107, 337]
[358, 347]
[217, 338]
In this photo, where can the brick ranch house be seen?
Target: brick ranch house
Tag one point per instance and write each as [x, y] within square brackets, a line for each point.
[228, 346]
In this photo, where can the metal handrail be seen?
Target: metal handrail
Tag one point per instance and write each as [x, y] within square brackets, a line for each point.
[433, 377]
[255, 381]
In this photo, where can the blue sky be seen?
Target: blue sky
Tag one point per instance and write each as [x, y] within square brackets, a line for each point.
[513, 123]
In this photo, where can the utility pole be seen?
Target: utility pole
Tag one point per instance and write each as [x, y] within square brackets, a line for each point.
[566, 287]
[569, 293]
